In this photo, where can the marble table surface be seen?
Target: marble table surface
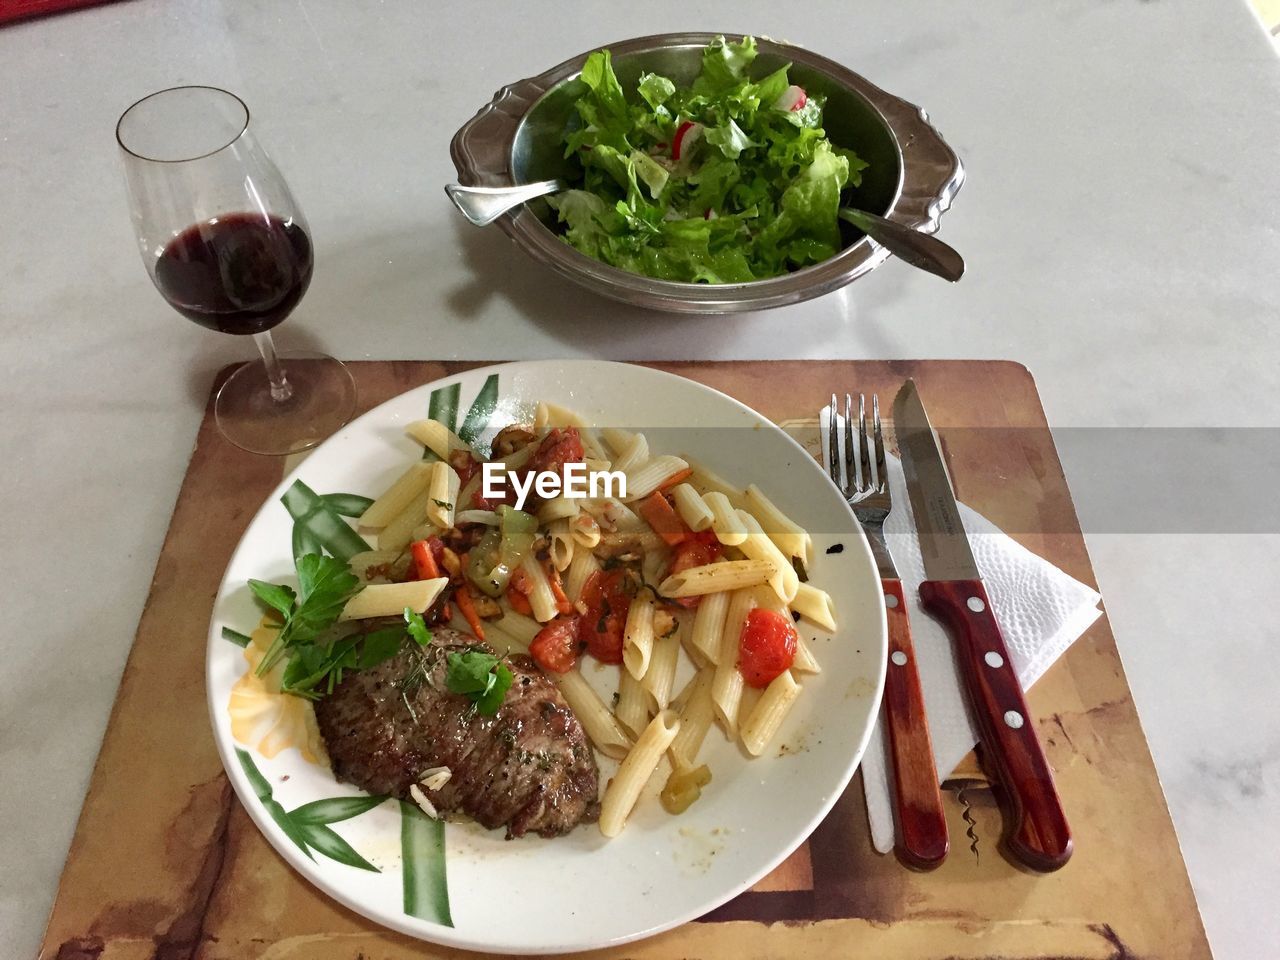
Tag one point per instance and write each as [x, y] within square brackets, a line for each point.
[1118, 222]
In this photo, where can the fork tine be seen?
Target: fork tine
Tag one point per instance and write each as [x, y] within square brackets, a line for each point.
[850, 468]
[833, 445]
[864, 445]
[882, 473]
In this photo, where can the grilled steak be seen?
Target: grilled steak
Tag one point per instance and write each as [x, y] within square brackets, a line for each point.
[529, 767]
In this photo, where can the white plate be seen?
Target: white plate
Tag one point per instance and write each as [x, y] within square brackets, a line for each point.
[577, 892]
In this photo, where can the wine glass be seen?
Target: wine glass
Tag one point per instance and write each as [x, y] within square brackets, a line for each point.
[227, 246]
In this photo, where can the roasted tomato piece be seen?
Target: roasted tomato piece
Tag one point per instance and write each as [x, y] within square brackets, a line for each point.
[560, 446]
[767, 646]
[555, 648]
[607, 601]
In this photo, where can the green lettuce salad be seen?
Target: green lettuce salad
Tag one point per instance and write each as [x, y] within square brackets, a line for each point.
[730, 180]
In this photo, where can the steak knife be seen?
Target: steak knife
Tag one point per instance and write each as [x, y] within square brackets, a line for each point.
[1036, 830]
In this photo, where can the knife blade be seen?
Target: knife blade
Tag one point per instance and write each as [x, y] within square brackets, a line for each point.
[1036, 830]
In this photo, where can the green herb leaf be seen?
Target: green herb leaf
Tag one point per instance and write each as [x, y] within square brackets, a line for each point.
[274, 595]
[380, 646]
[416, 627]
[480, 676]
[325, 584]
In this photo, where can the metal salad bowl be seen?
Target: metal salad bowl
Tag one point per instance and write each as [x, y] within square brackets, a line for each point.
[517, 138]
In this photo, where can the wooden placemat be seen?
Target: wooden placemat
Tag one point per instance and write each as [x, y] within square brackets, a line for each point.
[166, 864]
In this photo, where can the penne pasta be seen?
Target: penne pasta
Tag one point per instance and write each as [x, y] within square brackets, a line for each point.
[725, 520]
[762, 723]
[397, 534]
[583, 565]
[804, 661]
[696, 717]
[816, 605]
[717, 577]
[436, 437]
[708, 625]
[612, 514]
[518, 458]
[443, 495]
[681, 698]
[517, 626]
[585, 531]
[558, 508]
[768, 598]
[397, 497]
[541, 596]
[637, 637]
[727, 682]
[373, 564]
[561, 544]
[642, 481]
[758, 546]
[632, 456]
[654, 564]
[616, 438]
[624, 790]
[660, 678]
[692, 508]
[554, 415]
[601, 726]
[707, 481]
[390, 599]
[791, 538]
[497, 636]
[632, 708]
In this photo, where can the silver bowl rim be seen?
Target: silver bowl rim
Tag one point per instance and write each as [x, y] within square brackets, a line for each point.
[929, 176]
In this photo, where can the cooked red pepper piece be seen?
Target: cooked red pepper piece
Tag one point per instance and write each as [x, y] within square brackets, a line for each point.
[659, 514]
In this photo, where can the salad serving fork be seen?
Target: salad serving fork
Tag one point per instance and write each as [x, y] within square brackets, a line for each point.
[922, 840]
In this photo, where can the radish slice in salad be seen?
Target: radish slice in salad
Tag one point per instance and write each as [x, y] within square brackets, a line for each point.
[687, 134]
[793, 98]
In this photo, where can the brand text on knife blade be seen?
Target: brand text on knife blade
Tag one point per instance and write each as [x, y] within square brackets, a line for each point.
[577, 483]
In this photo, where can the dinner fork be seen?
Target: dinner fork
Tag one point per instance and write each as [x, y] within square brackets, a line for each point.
[922, 840]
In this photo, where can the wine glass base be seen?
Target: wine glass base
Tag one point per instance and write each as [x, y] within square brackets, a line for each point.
[322, 399]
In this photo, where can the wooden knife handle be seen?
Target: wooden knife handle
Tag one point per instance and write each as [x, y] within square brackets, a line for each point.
[922, 826]
[1037, 834]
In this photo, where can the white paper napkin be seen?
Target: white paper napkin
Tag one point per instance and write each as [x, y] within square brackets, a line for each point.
[1041, 612]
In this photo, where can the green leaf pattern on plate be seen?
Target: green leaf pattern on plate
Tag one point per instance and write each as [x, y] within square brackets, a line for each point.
[321, 525]
[307, 826]
[426, 884]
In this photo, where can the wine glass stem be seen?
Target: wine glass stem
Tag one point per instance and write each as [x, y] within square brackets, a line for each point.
[280, 389]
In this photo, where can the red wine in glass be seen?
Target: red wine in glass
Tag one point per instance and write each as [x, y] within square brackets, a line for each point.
[239, 273]
[227, 246]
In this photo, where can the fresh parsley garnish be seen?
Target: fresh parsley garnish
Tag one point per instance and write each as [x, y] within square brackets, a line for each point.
[325, 584]
[481, 676]
[416, 627]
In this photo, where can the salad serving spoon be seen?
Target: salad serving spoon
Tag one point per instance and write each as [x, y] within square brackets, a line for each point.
[483, 205]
